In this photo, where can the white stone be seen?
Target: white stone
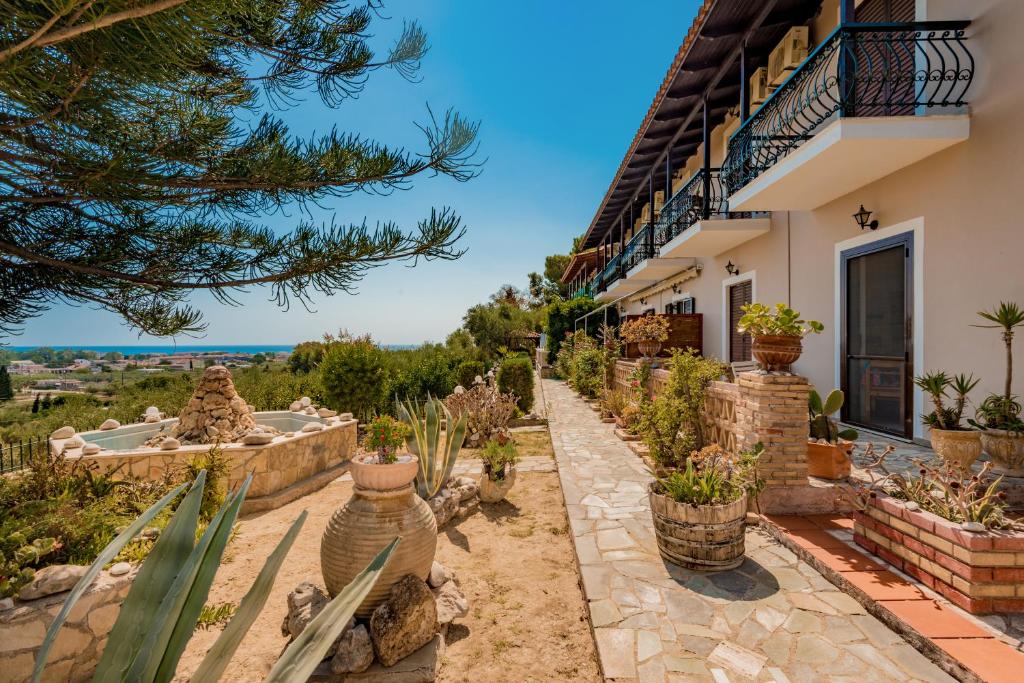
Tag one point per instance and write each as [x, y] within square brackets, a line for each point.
[310, 411]
[119, 569]
[74, 442]
[295, 407]
[257, 438]
[354, 652]
[459, 389]
[312, 427]
[150, 419]
[90, 449]
[451, 603]
[326, 412]
[6, 603]
[56, 578]
[911, 505]
[109, 424]
[170, 444]
[153, 410]
[289, 435]
[250, 408]
[976, 527]
[306, 401]
[65, 432]
[346, 416]
[439, 575]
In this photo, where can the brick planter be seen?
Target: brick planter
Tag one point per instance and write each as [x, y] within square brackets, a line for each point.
[981, 572]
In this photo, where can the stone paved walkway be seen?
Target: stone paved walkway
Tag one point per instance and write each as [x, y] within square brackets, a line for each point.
[772, 619]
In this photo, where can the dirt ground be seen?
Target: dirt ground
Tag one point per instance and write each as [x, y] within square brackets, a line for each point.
[514, 560]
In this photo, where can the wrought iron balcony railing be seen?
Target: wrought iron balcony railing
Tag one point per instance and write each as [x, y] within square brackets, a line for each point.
[638, 249]
[686, 206]
[899, 69]
[587, 289]
[610, 274]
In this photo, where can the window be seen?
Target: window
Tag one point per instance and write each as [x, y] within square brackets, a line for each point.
[687, 306]
[739, 295]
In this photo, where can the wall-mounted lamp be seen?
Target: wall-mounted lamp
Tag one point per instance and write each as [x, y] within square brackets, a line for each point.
[862, 217]
[675, 288]
[731, 269]
[643, 301]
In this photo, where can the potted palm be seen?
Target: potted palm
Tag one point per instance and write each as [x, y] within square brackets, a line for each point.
[957, 445]
[648, 332]
[499, 463]
[777, 334]
[700, 510]
[828, 447]
[999, 415]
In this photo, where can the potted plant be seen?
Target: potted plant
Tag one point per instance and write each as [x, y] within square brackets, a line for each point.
[999, 415]
[700, 511]
[499, 461]
[776, 333]
[384, 504]
[648, 332]
[383, 467]
[958, 445]
[828, 447]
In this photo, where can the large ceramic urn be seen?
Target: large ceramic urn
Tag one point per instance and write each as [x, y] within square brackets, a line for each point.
[371, 519]
[776, 351]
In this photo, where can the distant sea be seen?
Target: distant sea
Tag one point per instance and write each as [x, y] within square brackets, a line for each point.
[182, 348]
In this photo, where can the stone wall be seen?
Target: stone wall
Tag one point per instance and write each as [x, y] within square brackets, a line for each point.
[286, 461]
[78, 647]
[980, 572]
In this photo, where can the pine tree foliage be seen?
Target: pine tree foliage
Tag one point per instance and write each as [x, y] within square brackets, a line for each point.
[139, 148]
[6, 392]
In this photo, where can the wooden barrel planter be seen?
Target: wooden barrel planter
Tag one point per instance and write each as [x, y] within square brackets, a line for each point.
[702, 537]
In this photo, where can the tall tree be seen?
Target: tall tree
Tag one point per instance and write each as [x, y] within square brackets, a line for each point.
[549, 287]
[138, 151]
[6, 392]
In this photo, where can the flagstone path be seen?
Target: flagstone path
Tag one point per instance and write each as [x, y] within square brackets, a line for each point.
[772, 619]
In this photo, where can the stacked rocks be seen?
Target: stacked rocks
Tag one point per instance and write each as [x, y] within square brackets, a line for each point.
[215, 412]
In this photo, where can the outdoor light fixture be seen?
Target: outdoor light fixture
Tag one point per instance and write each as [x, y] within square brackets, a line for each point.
[731, 269]
[643, 301]
[862, 217]
[675, 288]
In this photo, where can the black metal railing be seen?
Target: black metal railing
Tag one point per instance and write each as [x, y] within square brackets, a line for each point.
[17, 456]
[587, 289]
[899, 69]
[638, 249]
[609, 274]
[687, 206]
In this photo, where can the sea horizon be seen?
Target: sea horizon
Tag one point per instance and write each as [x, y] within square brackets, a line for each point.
[170, 349]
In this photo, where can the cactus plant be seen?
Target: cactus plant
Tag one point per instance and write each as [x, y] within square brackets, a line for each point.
[822, 426]
[423, 439]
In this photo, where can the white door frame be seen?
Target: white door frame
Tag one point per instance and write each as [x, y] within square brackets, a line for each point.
[915, 226]
[728, 282]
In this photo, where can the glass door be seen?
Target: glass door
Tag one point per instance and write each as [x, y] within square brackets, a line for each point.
[877, 306]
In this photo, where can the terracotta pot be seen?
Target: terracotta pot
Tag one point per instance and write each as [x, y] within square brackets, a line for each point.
[958, 448]
[368, 522]
[649, 349]
[829, 461]
[1006, 451]
[370, 474]
[777, 351]
[492, 491]
[703, 537]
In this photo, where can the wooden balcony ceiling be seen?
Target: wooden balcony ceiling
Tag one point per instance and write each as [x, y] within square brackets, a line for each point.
[705, 63]
[581, 260]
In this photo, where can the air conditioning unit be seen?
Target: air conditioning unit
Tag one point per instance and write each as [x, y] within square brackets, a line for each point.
[788, 54]
[759, 88]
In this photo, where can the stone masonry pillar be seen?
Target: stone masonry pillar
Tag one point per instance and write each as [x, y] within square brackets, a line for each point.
[772, 409]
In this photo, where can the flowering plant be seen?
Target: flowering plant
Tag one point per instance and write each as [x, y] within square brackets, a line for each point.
[713, 477]
[385, 435]
[646, 328]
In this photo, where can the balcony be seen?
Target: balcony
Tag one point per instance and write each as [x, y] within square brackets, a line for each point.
[692, 226]
[870, 100]
[587, 289]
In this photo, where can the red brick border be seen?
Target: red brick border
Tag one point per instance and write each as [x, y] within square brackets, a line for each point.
[981, 572]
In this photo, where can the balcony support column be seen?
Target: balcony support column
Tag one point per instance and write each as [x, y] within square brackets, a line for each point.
[649, 237]
[744, 84]
[706, 170]
[847, 15]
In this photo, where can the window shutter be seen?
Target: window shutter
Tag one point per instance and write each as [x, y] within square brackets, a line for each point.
[740, 294]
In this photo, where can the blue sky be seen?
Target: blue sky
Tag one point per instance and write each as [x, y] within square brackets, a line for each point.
[559, 88]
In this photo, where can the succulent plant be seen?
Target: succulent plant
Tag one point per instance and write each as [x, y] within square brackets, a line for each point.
[17, 555]
[822, 426]
[437, 459]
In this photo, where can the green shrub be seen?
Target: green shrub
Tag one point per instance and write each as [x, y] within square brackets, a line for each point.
[588, 372]
[468, 371]
[356, 376]
[516, 376]
[428, 372]
[672, 425]
[561, 320]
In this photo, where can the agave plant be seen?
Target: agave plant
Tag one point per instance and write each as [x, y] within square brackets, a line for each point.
[159, 615]
[822, 426]
[936, 384]
[437, 459]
